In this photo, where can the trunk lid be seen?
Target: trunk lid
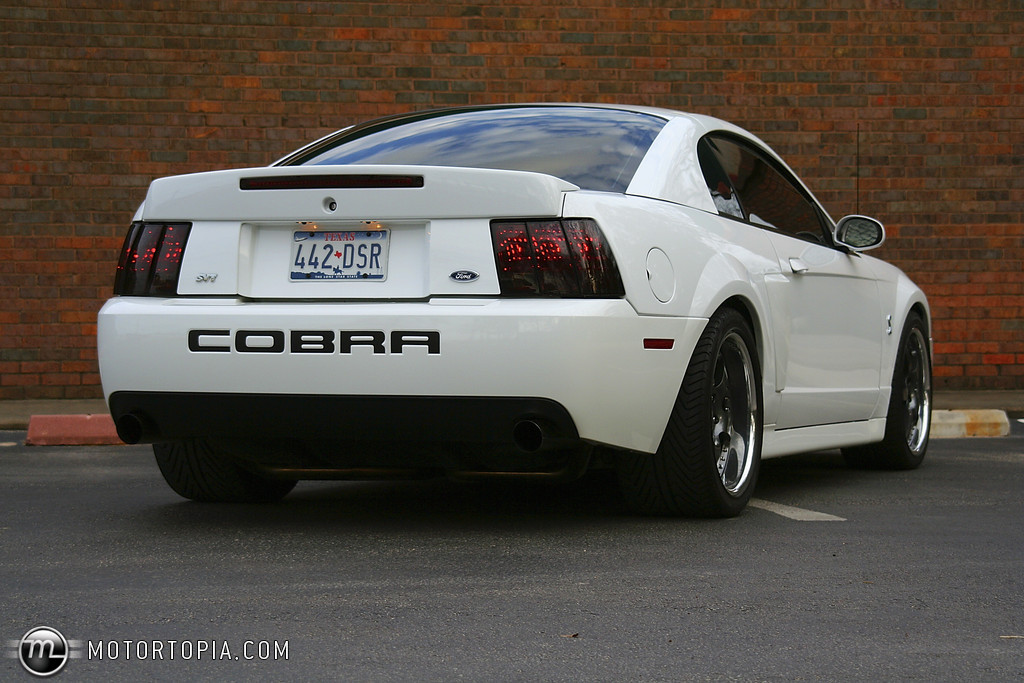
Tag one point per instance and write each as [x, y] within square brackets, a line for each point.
[343, 232]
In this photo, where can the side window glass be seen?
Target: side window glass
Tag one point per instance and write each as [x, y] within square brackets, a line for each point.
[769, 198]
[719, 185]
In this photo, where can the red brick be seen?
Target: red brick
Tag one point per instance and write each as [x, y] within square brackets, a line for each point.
[938, 119]
[19, 380]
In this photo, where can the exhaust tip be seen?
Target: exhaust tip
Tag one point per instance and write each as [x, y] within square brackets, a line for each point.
[528, 436]
[130, 428]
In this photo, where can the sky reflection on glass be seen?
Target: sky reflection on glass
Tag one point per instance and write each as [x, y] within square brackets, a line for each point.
[596, 149]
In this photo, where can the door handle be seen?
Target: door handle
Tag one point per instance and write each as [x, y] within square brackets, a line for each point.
[798, 266]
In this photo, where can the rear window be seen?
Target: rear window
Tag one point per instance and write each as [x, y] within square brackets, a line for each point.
[596, 149]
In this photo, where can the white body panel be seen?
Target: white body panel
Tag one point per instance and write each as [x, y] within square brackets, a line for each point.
[586, 355]
[830, 319]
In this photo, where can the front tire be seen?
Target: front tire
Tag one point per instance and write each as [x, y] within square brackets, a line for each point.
[199, 470]
[908, 420]
[709, 457]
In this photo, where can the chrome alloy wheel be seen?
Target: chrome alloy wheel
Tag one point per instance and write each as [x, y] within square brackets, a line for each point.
[734, 412]
[917, 391]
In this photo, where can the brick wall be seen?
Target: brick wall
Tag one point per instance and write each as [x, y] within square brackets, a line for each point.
[97, 97]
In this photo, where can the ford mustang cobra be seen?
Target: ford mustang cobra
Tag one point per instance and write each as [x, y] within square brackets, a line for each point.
[511, 290]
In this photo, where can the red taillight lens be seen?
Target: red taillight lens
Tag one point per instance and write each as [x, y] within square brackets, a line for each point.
[563, 258]
[151, 259]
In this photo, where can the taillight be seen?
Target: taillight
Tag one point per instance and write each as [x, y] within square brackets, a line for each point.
[151, 259]
[559, 258]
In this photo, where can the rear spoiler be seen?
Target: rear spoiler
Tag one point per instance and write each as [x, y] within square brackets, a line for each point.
[354, 193]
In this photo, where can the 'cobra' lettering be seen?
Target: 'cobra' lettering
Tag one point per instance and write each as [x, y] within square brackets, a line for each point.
[344, 342]
[371, 338]
[312, 341]
[243, 345]
[197, 344]
[432, 340]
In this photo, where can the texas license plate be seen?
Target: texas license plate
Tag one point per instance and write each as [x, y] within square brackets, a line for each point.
[340, 255]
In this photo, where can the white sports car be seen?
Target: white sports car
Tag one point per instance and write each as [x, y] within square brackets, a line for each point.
[511, 290]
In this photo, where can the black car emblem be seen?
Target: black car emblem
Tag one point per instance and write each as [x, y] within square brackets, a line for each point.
[464, 276]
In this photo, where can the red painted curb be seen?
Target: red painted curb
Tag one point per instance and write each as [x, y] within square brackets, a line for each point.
[71, 430]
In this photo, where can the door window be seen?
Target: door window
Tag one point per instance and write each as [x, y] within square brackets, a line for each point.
[745, 183]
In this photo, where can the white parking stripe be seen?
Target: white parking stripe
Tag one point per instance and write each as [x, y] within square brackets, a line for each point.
[799, 514]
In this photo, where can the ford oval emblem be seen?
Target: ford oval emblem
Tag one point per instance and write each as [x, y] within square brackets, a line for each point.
[464, 276]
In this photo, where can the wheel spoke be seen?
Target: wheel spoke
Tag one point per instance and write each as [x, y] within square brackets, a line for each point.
[721, 379]
[723, 462]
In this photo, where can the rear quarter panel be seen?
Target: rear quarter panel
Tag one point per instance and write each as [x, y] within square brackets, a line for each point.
[713, 260]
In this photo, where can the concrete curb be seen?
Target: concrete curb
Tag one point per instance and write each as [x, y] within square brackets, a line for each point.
[71, 430]
[94, 427]
[953, 424]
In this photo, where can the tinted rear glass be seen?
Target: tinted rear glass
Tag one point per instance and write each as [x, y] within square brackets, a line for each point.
[596, 149]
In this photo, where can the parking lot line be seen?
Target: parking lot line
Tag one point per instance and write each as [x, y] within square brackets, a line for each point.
[799, 514]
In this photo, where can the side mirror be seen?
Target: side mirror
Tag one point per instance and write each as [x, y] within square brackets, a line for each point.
[859, 233]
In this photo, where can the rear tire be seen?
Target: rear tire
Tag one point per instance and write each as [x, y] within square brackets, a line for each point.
[198, 470]
[908, 420]
[709, 457]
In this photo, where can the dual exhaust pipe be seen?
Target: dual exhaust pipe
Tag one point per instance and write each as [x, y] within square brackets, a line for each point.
[133, 428]
[533, 435]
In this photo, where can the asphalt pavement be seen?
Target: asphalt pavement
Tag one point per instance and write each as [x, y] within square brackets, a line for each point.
[832, 574]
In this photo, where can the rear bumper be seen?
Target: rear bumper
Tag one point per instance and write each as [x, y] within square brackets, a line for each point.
[467, 370]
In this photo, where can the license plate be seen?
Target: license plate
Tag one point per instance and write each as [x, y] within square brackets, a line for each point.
[340, 255]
